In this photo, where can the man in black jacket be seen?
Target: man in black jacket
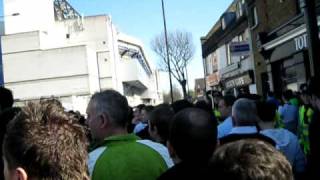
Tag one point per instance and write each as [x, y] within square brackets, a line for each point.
[192, 140]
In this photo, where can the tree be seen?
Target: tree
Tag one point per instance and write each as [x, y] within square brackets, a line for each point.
[181, 50]
[176, 95]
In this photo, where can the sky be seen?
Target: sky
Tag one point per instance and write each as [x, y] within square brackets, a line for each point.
[142, 19]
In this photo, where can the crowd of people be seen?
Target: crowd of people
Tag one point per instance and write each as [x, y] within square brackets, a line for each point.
[246, 137]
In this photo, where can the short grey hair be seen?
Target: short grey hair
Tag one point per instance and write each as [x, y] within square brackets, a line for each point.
[244, 112]
[113, 104]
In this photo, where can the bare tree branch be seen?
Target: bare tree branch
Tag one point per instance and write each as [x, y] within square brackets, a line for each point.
[181, 51]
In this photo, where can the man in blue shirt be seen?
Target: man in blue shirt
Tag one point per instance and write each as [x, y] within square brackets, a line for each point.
[225, 108]
[286, 141]
[245, 119]
[289, 113]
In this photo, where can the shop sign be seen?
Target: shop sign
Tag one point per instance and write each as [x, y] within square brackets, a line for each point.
[240, 48]
[213, 79]
[301, 42]
[240, 81]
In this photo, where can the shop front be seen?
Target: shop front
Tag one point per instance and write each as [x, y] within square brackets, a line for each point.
[288, 66]
[239, 84]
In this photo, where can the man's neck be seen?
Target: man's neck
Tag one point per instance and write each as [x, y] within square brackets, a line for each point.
[115, 132]
[266, 125]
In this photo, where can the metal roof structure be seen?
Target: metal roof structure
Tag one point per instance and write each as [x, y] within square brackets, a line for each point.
[64, 11]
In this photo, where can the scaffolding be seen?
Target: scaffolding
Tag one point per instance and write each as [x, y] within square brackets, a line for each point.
[64, 11]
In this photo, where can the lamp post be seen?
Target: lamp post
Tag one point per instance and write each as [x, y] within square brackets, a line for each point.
[167, 49]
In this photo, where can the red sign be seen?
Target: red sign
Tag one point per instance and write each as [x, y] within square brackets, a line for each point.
[213, 79]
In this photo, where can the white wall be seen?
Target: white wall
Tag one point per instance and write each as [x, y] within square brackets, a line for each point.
[20, 42]
[44, 73]
[33, 15]
[93, 71]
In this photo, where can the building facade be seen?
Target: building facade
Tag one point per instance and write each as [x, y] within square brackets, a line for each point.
[57, 52]
[227, 55]
[279, 44]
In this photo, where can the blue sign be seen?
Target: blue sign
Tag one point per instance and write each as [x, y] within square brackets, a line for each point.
[240, 48]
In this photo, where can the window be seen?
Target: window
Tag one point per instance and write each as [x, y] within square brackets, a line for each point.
[240, 8]
[229, 60]
[253, 17]
[209, 64]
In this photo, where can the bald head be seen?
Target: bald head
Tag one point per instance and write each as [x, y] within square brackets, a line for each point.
[193, 134]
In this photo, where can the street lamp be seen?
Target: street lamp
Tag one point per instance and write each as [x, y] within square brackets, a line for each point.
[167, 49]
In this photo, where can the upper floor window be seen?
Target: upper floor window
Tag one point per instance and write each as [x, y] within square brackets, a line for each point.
[229, 58]
[240, 8]
[253, 17]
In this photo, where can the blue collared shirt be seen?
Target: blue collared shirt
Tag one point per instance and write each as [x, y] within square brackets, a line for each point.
[288, 144]
[244, 130]
[289, 115]
[225, 127]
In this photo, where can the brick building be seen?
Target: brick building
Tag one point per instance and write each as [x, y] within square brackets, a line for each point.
[279, 43]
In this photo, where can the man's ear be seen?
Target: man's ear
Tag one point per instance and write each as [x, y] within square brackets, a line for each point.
[20, 174]
[104, 120]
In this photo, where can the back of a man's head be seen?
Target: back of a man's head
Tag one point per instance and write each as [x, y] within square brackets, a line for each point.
[44, 142]
[114, 105]
[193, 135]
[6, 98]
[159, 119]
[180, 105]
[244, 112]
[250, 160]
[266, 111]
[287, 95]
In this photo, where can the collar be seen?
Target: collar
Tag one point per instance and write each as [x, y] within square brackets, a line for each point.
[244, 130]
[125, 137]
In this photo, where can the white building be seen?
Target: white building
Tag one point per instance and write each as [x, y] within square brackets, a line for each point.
[50, 50]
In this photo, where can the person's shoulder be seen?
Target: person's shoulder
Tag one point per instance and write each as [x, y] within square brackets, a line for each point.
[185, 171]
[160, 149]
[234, 137]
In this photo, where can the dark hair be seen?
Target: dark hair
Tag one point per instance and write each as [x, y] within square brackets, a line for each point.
[180, 105]
[148, 108]
[47, 143]
[193, 135]
[287, 95]
[250, 159]
[5, 117]
[266, 111]
[140, 107]
[270, 93]
[160, 118]
[204, 106]
[114, 105]
[6, 98]
[254, 97]
[228, 100]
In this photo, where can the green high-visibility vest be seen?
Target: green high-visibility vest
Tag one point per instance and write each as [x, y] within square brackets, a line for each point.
[305, 116]
[278, 120]
[217, 114]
